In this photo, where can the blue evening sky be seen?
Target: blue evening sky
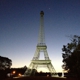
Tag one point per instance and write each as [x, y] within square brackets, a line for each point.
[19, 28]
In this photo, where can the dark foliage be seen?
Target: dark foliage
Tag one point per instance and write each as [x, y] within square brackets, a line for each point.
[59, 74]
[34, 71]
[47, 74]
[18, 71]
[5, 63]
[4, 73]
[71, 57]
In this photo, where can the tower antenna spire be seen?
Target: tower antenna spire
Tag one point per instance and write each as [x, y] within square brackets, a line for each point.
[41, 38]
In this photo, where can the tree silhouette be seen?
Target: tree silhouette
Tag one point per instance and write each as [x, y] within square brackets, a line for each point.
[71, 56]
[5, 63]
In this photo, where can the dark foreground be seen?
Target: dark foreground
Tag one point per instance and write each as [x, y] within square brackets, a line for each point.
[42, 78]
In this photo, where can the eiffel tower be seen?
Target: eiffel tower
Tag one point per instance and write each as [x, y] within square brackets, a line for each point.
[41, 47]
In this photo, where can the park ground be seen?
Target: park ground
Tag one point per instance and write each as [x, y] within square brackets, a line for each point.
[42, 78]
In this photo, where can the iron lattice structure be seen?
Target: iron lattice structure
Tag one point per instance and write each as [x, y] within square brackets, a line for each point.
[41, 47]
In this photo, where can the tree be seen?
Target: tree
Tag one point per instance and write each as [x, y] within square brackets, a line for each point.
[5, 63]
[59, 74]
[71, 56]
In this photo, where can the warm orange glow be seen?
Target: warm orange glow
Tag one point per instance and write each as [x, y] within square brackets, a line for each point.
[13, 72]
[19, 74]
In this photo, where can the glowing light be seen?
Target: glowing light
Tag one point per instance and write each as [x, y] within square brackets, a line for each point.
[19, 74]
[13, 72]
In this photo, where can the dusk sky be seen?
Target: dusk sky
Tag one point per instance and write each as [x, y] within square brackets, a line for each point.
[19, 28]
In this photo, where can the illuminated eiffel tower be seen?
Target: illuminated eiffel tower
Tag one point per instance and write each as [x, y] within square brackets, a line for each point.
[41, 47]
